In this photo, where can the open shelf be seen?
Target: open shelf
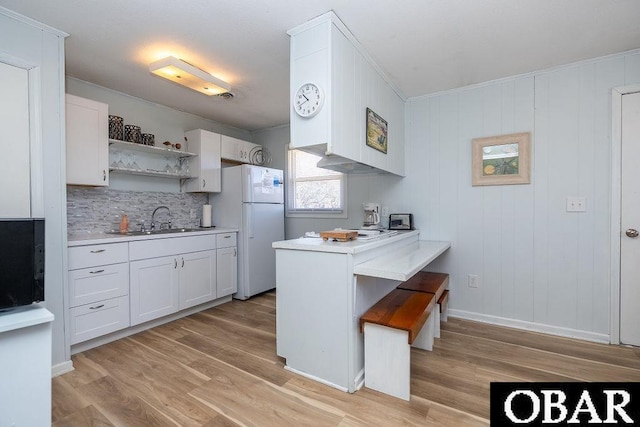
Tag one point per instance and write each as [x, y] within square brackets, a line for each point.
[150, 149]
[148, 172]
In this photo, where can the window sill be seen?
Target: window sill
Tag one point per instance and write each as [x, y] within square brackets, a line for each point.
[299, 214]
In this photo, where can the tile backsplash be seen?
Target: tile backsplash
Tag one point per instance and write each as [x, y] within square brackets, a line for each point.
[91, 210]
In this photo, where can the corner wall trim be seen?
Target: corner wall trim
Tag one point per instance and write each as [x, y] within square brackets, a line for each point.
[61, 368]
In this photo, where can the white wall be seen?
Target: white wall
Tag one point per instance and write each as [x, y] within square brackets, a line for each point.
[539, 266]
[40, 49]
[381, 188]
[167, 124]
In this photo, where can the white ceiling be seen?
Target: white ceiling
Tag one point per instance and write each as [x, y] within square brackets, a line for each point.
[424, 46]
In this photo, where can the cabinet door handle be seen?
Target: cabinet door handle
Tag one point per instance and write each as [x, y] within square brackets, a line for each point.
[235, 252]
[182, 262]
[204, 183]
[96, 307]
[175, 263]
[97, 251]
[227, 237]
[96, 271]
[104, 175]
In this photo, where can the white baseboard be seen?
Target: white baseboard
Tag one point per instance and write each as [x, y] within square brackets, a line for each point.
[531, 326]
[313, 377]
[359, 381]
[61, 368]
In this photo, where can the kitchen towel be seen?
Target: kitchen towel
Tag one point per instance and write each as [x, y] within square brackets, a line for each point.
[206, 216]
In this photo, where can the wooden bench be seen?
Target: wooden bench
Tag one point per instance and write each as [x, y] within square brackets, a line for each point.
[435, 284]
[395, 323]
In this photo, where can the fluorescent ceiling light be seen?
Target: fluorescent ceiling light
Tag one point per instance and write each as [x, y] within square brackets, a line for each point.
[187, 75]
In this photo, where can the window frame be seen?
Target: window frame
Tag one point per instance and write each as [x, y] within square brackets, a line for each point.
[292, 212]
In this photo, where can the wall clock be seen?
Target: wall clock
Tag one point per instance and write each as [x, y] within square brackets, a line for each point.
[308, 100]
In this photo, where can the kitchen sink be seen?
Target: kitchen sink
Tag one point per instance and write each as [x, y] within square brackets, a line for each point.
[155, 232]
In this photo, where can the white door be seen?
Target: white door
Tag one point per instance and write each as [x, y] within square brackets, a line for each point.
[153, 288]
[197, 276]
[15, 172]
[87, 130]
[227, 271]
[630, 222]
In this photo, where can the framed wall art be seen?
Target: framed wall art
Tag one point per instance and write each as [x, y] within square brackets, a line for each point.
[501, 160]
[376, 131]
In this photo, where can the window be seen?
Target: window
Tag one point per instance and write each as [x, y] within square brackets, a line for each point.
[314, 191]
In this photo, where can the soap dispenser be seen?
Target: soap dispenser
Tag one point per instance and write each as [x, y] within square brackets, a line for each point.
[124, 224]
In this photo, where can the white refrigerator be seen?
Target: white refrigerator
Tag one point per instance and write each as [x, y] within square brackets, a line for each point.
[252, 201]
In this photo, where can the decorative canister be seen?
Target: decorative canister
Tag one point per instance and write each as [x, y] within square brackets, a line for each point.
[116, 128]
[148, 139]
[132, 133]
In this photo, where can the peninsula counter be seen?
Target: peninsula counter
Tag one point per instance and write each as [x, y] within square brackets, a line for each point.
[323, 287]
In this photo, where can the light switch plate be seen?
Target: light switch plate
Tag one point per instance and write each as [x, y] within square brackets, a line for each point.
[576, 204]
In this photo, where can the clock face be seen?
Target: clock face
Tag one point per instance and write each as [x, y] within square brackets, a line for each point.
[308, 100]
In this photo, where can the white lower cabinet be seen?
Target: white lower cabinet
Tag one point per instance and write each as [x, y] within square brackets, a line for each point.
[98, 290]
[93, 320]
[227, 260]
[197, 278]
[227, 275]
[117, 285]
[174, 279]
[154, 288]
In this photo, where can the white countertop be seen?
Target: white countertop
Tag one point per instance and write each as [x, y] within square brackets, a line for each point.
[402, 265]
[100, 238]
[22, 317]
[316, 244]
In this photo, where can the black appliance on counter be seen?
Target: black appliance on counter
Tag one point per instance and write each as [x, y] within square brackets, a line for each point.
[401, 221]
[21, 261]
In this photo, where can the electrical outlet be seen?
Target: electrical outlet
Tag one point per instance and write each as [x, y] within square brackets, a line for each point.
[385, 211]
[474, 281]
[576, 204]
[192, 214]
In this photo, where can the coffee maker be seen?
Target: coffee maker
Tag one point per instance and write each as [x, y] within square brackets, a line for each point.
[371, 216]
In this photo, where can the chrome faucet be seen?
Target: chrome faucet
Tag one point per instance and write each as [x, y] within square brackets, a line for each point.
[153, 222]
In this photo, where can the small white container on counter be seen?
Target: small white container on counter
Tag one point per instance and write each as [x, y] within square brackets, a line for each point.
[206, 216]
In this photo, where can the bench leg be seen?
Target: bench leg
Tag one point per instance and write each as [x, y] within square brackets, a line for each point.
[387, 365]
[443, 314]
[436, 321]
[424, 340]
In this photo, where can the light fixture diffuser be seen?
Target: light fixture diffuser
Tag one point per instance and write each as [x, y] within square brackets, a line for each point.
[183, 73]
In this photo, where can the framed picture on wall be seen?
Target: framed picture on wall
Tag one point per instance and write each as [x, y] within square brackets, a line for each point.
[501, 160]
[376, 131]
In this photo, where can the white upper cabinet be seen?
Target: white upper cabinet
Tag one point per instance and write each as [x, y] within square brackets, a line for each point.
[205, 167]
[237, 150]
[87, 130]
[325, 54]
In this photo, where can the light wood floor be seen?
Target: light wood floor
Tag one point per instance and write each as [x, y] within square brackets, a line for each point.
[219, 368]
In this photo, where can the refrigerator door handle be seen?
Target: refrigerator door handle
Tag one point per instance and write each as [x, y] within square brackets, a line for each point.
[250, 221]
[249, 185]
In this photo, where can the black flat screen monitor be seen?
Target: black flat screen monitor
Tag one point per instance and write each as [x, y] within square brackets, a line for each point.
[21, 262]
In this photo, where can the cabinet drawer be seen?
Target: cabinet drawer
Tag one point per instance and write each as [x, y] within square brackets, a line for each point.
[225, 240]
[94, 255]
[93, 284]
[154, 248]
[93, 320]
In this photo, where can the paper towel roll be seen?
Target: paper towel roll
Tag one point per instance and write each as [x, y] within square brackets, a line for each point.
[206, 215]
